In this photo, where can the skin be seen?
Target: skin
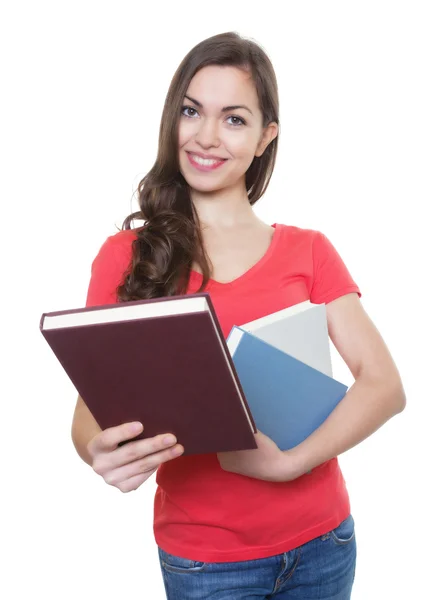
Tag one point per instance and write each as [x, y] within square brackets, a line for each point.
[232, 233]
[127, 467]
[221, 200]
[235, 239]
[220, 196]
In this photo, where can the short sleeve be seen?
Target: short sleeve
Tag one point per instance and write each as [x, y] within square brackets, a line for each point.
[331, 278]
[107, 273]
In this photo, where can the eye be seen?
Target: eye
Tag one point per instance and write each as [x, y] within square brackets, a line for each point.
[240, 122]
[187, 108]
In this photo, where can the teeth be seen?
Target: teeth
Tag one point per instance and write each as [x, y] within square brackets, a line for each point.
[204, 161]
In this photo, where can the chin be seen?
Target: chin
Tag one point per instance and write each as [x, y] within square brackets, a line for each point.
[200, 186]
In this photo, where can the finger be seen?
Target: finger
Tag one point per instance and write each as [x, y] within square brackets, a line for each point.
[141, 448]
[146, 464]
[131, 484]
[110, 438]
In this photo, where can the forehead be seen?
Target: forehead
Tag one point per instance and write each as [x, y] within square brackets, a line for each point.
[217, 86]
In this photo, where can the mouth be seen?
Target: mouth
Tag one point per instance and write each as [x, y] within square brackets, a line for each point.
[202, 164]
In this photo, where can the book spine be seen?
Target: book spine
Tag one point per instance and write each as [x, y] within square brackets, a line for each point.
[230, 359]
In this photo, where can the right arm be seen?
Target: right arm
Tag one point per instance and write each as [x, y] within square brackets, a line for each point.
[125, 467]
[84, 428]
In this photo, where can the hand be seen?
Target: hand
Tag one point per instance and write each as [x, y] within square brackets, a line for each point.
[130, 465]
[267, 462]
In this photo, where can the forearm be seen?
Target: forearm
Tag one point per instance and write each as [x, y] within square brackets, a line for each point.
[80, 438]
[368, 404]
[84, 428]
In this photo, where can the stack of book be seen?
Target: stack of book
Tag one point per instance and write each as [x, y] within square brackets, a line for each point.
[165, 362]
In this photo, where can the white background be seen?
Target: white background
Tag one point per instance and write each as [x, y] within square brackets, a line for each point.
[83, 90]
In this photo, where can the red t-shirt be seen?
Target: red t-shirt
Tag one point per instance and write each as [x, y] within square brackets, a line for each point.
[202, 512]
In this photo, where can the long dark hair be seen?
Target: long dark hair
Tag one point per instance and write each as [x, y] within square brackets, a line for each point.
[170, 240]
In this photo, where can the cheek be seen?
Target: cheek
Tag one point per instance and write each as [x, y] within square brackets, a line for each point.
[183, 137]
[242, 144]
[242, 153]
[185, 132]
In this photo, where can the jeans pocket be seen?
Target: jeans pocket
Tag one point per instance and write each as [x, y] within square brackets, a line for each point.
[177, 564]
[344, 533]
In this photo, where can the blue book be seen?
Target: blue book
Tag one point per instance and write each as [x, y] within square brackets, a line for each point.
[288, 399]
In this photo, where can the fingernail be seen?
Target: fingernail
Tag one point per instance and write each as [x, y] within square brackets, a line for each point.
[169, 440]
[136, 427]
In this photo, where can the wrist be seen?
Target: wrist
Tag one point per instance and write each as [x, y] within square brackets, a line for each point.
[294, 465]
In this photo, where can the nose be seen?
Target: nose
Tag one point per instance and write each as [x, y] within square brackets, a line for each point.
[207, 134]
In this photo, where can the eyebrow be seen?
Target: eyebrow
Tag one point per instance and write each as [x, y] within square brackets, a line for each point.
[225, 109]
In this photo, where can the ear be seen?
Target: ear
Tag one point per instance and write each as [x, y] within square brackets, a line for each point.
[268, 135]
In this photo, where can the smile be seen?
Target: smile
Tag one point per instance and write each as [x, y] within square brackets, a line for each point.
[203, 164]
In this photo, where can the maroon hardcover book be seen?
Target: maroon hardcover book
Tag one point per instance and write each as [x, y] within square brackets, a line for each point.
[171, 372]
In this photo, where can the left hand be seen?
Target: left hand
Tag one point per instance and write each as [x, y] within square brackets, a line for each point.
[267, 462]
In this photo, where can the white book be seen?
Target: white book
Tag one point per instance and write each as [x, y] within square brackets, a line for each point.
[300, 330]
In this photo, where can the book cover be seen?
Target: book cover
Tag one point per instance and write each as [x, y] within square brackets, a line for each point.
[288, 398]
[172, 373]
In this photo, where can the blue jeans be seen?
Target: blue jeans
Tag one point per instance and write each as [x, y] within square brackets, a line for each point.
[322, 569]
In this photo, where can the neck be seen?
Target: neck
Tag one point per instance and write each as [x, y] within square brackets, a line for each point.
[223, 209]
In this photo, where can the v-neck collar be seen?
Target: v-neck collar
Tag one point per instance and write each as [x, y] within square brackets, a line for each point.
[251, 271]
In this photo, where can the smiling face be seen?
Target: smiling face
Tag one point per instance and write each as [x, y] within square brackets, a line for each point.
[220, 129]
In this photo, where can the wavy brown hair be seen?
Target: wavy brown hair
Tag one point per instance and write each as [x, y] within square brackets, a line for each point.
[170, 240]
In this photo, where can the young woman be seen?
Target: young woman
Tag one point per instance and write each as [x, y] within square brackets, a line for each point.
[259, 523]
